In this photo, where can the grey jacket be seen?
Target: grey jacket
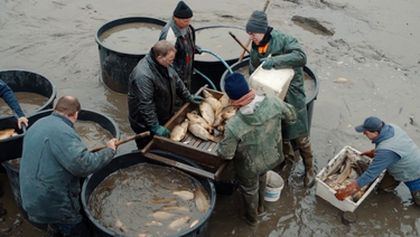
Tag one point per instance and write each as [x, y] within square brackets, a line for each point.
[53, 160]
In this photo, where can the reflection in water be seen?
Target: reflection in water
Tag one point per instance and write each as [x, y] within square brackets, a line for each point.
[219, 41]
[92, 134]
[28, 101]
[131, 38]
[148, 199]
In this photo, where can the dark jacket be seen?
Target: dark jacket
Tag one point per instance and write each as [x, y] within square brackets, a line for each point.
[185, 46]
[9, 97]
[152, 91]
[287, 53]
[53, 160]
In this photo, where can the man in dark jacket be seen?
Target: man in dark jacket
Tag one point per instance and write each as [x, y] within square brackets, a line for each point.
[279, 50]
[9, 97]
[54, 158]
[180, 33]
[252, 138]
[152, 90]
[394, 151]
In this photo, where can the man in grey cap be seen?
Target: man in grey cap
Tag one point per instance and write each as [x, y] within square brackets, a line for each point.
[278, 50]
[181, 34]
[394, 151]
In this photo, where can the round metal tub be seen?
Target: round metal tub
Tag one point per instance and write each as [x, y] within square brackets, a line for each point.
[130, 159]
[122, 43]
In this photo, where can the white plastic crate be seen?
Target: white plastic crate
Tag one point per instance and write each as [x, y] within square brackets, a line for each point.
[327, 193]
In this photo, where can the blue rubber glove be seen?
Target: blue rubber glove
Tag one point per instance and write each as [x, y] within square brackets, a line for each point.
[198, 50]
[158, 130]
[268, 64]
[195, 99]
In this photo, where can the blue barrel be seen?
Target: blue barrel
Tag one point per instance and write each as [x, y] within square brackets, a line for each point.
[27, 81]
[311, 84]
[116, 64]
[130, 159]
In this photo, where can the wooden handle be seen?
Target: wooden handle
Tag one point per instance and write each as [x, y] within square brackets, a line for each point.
[119, 142]
[239, 42]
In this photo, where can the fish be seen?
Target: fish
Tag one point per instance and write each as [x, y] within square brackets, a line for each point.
[194, 223]
[345, 172]
[224, 100]
[215, 104]
[201, 200]
[195, 118]
[162, 215]
[200, 132]
[179, 131]
[228, 112]
[178, 223]
[179, 209]
[120, 225]
[184, 195]
[218, 120]
[154, 223]
[207, 112]
[207, 94]
[6, 133]
[162, 200]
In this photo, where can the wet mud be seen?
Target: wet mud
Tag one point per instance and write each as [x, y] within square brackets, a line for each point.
[369, 66]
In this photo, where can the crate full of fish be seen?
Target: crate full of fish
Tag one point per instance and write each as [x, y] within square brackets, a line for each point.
[344, 168]
[196, 130]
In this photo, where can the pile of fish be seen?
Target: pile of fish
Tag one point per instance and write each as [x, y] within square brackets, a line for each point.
[7, 133]
[349, 170]
[208, 123]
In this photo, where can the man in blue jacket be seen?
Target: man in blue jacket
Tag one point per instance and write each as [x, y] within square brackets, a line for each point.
[9, 97]
[394, 151]
[54, 158]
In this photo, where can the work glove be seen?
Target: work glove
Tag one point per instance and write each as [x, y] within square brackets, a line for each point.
[195, 99]
[351, 188]
[369, 153]
[158, 130]
[268, 63]
[198, 50]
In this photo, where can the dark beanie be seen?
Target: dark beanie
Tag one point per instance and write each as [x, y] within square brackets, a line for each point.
[183, 11]
[257, 22]
[236, 86]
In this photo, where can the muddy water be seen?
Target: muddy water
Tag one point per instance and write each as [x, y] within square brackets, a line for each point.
[131, 38]
[29, 102]
[92, 134]
[374, 47]
[219, 41]
[147, 200]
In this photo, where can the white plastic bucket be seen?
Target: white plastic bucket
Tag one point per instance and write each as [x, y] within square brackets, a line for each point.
[275, 184]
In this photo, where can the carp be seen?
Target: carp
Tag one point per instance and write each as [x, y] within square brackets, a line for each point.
[162, 215]
[228, 112]
[184, 195]
[200, 132]
[179, 131]
[207, 112]
[195, 118]
[215, 104]
[180, 222]
[201, 200]
[224, 100]
[6, 133]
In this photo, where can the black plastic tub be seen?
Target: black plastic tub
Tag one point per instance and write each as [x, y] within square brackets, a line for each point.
[11, 147]
[130, 159]
[27, 81]
[117, 64]
[216, 39]
[311, 84]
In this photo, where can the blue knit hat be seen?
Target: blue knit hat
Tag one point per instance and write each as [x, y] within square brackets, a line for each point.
[236, 86]
[371, 123]
[183, 11]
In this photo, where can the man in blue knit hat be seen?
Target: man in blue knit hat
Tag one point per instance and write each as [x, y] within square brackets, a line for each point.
[394, 151]
[252, 138]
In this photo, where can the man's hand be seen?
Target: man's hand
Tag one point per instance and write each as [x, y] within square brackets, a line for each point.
[22, 120]
[112, 144]
[351, 188]
[195, 99]
[369, 153]
[198, 50]
[160, 130]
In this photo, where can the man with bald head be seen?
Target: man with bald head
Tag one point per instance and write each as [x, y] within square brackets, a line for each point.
[54, 159]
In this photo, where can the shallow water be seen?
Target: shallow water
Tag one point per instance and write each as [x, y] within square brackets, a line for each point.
[375, 48]
[29, 102]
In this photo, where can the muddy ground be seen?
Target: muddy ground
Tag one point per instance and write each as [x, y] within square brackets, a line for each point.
[368, 66]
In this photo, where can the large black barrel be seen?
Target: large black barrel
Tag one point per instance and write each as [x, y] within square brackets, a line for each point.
[27, 81]
[118, 60]
[217, 40]
[311, 84]
[130, 159]
[11, 147]
[12, 166]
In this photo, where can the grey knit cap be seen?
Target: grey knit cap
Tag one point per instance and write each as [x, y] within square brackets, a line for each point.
[257, 23]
